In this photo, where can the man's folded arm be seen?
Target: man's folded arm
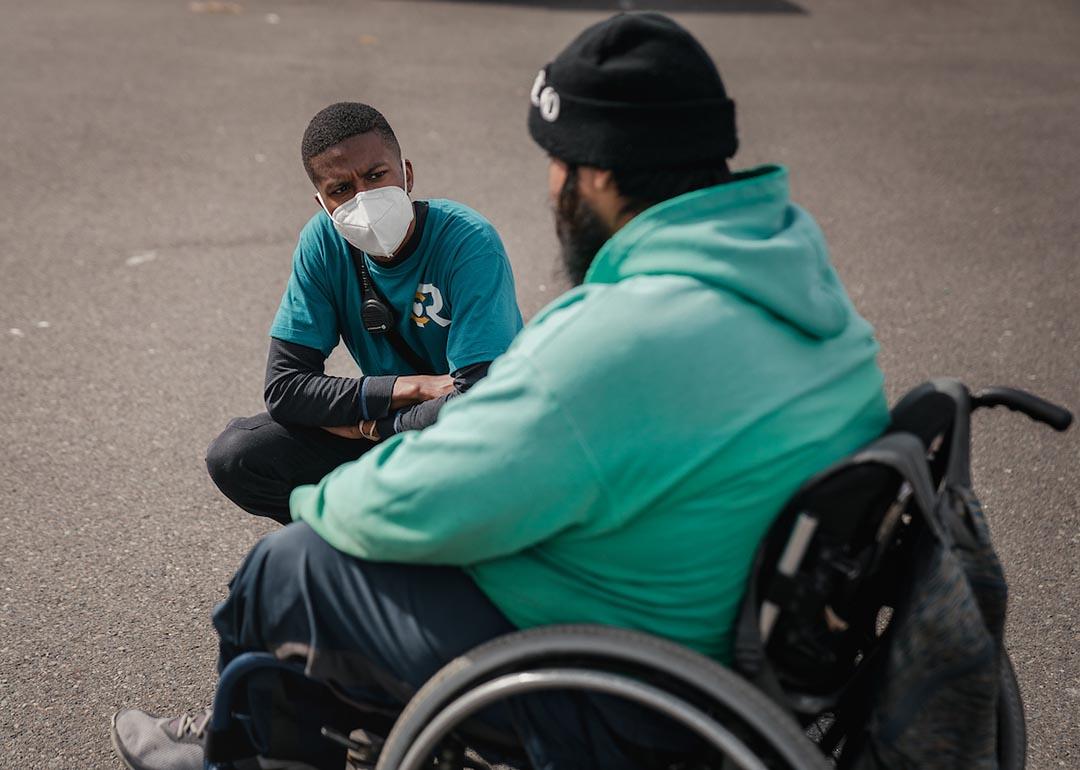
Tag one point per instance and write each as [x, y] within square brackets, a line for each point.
[499, 472]
[298, 391]
[424, 414]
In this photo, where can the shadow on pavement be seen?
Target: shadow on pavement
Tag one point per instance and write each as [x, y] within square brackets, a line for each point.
[669, 6]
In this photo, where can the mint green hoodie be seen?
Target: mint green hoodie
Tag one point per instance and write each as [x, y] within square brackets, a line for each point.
[622, 460]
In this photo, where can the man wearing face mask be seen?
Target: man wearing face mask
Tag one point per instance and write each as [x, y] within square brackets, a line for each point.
[420, 292]
[623, 459]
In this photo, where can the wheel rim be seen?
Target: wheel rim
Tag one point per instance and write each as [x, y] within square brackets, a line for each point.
[521, 683]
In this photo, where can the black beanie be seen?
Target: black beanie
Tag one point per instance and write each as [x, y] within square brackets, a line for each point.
[634, 92]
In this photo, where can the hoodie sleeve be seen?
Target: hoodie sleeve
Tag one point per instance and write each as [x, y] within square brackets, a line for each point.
[502, 470]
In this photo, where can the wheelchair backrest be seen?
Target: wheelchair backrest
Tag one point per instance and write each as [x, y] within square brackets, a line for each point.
[828, 574]
[824, 580]
[876, 598]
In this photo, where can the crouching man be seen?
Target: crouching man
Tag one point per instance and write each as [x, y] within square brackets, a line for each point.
[420, 292]
[620, 462]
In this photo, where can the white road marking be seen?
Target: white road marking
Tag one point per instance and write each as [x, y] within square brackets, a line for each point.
[138, 259]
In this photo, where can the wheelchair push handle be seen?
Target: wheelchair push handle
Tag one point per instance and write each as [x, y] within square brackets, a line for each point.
[1036, 408]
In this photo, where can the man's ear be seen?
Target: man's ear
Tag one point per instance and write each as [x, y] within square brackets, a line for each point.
[409, 179]
[597, 183]
[602, 180]
[597, 187]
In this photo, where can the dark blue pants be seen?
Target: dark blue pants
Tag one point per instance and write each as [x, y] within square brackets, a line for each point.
[376, 632]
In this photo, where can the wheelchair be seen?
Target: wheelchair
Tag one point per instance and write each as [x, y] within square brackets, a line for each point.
[816, 625]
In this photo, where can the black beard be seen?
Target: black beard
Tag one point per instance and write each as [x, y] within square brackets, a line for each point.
[581, 232]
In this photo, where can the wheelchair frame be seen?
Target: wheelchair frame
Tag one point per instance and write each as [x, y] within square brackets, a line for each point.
[736, 720]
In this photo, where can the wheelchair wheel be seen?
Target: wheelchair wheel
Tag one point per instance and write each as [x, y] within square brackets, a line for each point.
[738, 721]
[1012, 732]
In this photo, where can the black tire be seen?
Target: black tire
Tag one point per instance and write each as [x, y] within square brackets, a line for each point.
[689, 677]
[1012, 729]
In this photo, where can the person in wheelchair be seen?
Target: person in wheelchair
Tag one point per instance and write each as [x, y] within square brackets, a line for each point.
[619, 464]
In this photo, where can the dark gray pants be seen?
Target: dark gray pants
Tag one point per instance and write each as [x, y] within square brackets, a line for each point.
[256, 462]
[376, 632]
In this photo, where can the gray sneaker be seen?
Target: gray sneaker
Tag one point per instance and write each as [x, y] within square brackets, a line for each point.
[147, 742]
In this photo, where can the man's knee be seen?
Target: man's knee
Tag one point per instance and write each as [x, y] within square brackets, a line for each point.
[283, 566]
[224, 457]
[233, 455]
[294, 545]
[266, 602]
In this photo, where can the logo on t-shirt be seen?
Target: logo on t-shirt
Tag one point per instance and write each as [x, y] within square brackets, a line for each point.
[424, 312]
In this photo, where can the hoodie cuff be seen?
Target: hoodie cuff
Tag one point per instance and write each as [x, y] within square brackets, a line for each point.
[375, 395]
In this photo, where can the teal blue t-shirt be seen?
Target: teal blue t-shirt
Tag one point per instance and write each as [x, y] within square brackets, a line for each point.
[453, 296]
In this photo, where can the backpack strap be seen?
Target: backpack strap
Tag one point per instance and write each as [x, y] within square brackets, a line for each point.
[905, 453]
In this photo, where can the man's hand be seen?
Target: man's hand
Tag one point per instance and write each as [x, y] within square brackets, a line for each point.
[416, 388]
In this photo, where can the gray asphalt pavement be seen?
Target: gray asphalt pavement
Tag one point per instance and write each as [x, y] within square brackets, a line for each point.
[152, 192]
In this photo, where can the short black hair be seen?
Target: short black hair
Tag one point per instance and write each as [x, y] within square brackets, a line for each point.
[643, 189]
[336, 123]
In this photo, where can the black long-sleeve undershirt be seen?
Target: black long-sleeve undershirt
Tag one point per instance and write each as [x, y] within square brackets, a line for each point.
[298, 391]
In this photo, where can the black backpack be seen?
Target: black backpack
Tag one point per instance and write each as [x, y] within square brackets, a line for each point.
[876, 606]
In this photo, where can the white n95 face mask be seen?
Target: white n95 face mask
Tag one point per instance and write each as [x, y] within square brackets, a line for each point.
[375, 221]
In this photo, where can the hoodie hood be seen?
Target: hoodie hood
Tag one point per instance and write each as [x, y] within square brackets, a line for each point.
[744, 237]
